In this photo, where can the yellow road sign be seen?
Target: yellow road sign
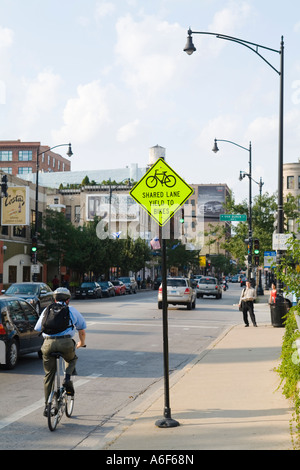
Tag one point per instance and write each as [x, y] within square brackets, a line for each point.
[161, 192]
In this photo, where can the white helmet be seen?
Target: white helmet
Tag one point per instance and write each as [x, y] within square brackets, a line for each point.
[62, 293]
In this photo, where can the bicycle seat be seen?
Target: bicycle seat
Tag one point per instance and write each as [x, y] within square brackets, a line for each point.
[56, 354]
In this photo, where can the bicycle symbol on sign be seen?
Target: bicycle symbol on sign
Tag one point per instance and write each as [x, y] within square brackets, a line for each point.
[161, 177]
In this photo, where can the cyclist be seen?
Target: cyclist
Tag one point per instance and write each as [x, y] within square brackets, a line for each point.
[61, 342]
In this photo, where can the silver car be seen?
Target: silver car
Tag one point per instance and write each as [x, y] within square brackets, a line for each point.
[180, 291]
[209, 286]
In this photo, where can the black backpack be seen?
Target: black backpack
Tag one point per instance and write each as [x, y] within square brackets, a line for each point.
[56, 319]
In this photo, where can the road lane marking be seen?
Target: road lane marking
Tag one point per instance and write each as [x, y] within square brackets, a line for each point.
[38, 404]
[116, 323]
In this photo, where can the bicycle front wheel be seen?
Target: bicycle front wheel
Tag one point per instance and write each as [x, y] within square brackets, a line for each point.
[170, 181]
[53, 411]
[69, 400]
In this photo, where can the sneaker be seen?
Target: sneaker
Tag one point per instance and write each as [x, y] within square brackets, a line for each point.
[68, 384]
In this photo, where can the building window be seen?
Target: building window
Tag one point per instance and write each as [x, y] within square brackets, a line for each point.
[5, 155]
[77, 214]
[25, 170]
[7, 170]
[19, 231]
[290, 182]
[25, 155]
[68, 212]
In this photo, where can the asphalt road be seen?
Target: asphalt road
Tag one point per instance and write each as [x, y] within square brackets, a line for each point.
[123, 363]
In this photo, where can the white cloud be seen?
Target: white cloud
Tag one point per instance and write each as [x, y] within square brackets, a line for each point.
[104, 9]
[85, 114]
[145, 51]
[230, 17]
[6, 37]
[39, 97]
[128, 131]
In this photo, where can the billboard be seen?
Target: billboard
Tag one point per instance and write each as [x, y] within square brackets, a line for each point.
[15, 207]
[211, 200]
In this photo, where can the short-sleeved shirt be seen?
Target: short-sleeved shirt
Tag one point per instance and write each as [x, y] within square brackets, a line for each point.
[76, 318]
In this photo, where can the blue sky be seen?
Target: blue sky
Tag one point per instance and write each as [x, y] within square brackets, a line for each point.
[111, 77]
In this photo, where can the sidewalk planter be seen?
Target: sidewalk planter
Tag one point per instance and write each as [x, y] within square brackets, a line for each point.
[278, 312]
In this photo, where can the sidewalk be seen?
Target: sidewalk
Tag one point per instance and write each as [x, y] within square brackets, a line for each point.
[226, 399]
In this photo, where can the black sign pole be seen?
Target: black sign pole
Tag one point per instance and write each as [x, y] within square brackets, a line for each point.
[167, 421]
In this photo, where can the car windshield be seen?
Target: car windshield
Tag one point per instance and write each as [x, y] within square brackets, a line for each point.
[176, 282]
[88, 284]
[125, 279]
[207, 280]
[26, 289]
[117, 283]
[104, 284]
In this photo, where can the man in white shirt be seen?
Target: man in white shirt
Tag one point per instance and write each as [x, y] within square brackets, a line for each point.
[247, 298]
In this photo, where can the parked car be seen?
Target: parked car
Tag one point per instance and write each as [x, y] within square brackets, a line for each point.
[235, 279]
[88, 290]
[17, 335]
[243, 281]
[130, 284]
[119, 286]
[107, 289]
[179, 292]
[38, 294]
[209, 286]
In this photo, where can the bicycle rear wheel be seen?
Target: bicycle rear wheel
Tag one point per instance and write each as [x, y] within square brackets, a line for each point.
[53, 411]
[69, 400]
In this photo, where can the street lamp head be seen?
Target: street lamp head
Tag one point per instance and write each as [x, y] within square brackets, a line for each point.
[242, 175]
[69, 152]
[215, 147]
[189, 47]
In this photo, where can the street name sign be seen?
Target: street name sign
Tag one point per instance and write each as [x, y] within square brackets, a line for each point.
[161, 192]
[233, 217]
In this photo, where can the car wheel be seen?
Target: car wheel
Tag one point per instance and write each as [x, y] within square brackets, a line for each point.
[194, 304]
[189, 306]
[160, 305]
[12, 352]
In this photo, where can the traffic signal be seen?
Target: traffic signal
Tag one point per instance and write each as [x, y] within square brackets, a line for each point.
[181, 220]
[256, 252]
[4, 185]
[34, 250]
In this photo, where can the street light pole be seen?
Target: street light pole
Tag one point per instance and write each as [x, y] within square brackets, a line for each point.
[254, 47]
[69, 154]
[216, 149]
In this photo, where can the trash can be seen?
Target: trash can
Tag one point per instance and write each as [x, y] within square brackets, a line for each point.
[278, 312]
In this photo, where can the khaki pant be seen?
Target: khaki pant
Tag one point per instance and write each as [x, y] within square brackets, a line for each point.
[66, 346]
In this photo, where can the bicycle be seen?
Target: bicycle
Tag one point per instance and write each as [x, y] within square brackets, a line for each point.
[59, 402]
[168, 180]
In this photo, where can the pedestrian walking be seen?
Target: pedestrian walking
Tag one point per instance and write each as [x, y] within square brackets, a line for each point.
[273, 293]
[246, 303]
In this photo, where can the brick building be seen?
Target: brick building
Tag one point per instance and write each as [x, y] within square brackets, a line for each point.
[20, 158]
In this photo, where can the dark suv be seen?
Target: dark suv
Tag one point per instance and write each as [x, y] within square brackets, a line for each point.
[17, 335]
